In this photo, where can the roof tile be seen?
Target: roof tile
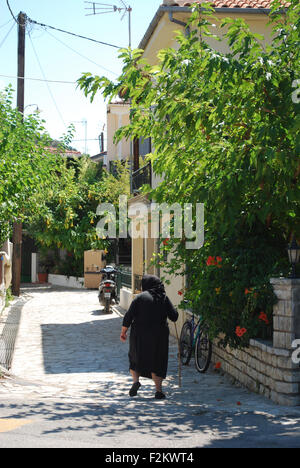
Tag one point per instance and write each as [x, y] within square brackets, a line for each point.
[225, 3]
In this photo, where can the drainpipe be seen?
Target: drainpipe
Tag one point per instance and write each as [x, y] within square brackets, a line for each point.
[181, 23]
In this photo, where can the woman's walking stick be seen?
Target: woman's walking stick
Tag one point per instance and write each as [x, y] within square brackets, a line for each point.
[179, 358]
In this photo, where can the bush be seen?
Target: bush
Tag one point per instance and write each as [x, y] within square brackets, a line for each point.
[70, 266]
[9, 297]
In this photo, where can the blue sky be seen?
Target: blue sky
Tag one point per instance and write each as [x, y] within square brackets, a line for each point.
[49, 55]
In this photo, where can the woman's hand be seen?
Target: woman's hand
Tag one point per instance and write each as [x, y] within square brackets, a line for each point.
[123, 336]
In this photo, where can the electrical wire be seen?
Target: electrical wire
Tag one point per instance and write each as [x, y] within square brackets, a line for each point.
[72, 34]
[12, 12]
[47, 84]
[83, 56]
[13, 26]
[3, 25]
[38, 79]
[88, 139]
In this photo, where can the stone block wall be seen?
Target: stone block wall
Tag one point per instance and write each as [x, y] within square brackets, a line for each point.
[286, 312]
[2, 298]
[267, 367]
[263, 369]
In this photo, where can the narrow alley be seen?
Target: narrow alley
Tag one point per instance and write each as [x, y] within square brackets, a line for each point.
[70, 381]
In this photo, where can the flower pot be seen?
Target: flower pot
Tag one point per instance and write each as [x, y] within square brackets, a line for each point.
[43, 277]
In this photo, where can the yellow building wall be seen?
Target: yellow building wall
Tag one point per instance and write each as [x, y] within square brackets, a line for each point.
[117, 116]
[166, 32]
[164, 36]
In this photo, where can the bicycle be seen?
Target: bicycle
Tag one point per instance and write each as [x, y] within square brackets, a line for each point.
[194, 336]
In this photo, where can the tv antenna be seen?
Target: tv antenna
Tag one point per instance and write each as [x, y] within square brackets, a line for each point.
[103, 8]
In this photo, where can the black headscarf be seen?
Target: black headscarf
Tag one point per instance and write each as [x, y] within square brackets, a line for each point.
[154, 286]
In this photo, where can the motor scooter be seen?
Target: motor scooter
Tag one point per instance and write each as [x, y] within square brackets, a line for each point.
[108, 287]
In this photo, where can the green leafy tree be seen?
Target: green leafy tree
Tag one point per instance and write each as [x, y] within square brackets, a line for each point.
[67, 215]
[225, 129]
[26, 167]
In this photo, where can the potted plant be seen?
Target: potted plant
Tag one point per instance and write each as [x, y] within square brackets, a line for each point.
[46, 263]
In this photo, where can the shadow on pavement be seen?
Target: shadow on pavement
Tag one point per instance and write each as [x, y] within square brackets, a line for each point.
[147, 423]
[79, 348]
[111, 419]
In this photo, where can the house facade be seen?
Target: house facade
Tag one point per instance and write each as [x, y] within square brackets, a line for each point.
[117, 116]
[268, 367]
[161, 33]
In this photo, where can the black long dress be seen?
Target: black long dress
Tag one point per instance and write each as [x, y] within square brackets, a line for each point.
[149, 335]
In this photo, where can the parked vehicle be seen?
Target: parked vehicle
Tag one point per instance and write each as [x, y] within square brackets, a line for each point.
[108, 287]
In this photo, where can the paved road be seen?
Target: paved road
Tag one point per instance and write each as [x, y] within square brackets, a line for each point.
[70, 389]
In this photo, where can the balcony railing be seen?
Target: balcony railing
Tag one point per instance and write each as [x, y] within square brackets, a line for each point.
[141, 177]
[123, 280]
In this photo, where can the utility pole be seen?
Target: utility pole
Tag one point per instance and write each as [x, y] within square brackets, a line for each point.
[129, 10]
[17, 226]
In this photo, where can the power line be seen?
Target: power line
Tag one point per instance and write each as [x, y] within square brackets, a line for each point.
[83, 56]
[12, 12]
[103, 8]
[1, 44]
[47, 84]
[61, 30]
[88, 139]
[3, 25]
[72, 34]
[38, 79]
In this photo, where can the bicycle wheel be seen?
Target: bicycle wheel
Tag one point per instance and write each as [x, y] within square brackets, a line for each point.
[186, 343]
[203, 351]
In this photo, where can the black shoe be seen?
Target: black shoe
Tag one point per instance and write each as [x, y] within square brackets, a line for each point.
[160, 396]
[134, 389]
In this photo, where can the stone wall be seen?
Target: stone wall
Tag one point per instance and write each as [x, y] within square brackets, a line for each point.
[267, 367]
[2, 289]
[2, 298]
[263, 369]
[5, 271]
[66, 281]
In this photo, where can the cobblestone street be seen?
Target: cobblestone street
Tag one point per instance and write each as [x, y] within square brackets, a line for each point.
[70, 384]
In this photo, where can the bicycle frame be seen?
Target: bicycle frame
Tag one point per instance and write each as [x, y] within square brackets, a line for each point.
[194, 328]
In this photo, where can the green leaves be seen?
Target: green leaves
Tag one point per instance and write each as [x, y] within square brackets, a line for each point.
[67, 209]
[25, 164]
[226, 133]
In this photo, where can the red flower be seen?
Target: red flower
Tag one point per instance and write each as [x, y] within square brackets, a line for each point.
[240, 331]
[165, 241]
[180, 293]
[214, 261]
[248, 291]
[218, 365]
[263, 317]
[210, 261]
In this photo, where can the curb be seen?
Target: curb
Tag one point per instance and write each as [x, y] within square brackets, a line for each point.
[9, 333]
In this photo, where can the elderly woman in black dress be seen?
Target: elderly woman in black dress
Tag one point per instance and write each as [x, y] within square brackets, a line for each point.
[149, 336]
